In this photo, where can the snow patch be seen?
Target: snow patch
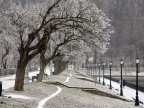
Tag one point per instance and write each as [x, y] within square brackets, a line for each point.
[19, 96]
[9, 81]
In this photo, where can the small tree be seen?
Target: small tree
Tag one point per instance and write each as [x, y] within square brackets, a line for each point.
[5, 49]
[6, 52]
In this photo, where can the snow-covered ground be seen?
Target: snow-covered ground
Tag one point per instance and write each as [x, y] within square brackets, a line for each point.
[128, 92]
[140, 74]
[8, 81]
[19, 96]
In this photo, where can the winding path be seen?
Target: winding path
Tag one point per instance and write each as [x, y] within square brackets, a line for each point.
[43, 101]
[68, 78]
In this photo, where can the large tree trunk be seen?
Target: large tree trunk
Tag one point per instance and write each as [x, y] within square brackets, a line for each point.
[20, 73]
[24, 59]
[59, 65]
[41, 74]
[43, 63]
[42, 68]
[43, 60]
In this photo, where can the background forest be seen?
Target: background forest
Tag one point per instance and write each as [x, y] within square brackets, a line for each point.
[127, 17]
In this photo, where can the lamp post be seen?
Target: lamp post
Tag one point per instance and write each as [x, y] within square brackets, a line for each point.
[90, 62]
[103, 73]
[0, 88]
[88, 70]
[99, 71]
[121, 90]
[93, 71]
[110, 64]
[137, 71]
[51, 52]
[96, 65]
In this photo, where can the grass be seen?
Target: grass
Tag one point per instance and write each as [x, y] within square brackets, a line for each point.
[89, 90]
[85, 79]
[80, 74]
[101, 93]
[62, 85]
[57, 83]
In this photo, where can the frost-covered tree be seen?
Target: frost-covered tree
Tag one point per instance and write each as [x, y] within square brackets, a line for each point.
[85, 21]
[5, 47]
[30, 27]
[73, 53]
[5, 50]
[36, 17]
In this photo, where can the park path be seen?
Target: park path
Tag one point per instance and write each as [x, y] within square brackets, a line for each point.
[59, 89]
[43, 101]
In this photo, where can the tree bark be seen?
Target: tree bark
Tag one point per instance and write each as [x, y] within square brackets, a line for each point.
[5, 64]
[20, 73]
[42, 68]
[43, 61]
[4, 59]
[59, 65]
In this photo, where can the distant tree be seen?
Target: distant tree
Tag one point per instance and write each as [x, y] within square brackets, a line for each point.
[5, 50]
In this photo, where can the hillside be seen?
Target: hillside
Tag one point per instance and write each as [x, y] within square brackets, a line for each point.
[128, 20]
